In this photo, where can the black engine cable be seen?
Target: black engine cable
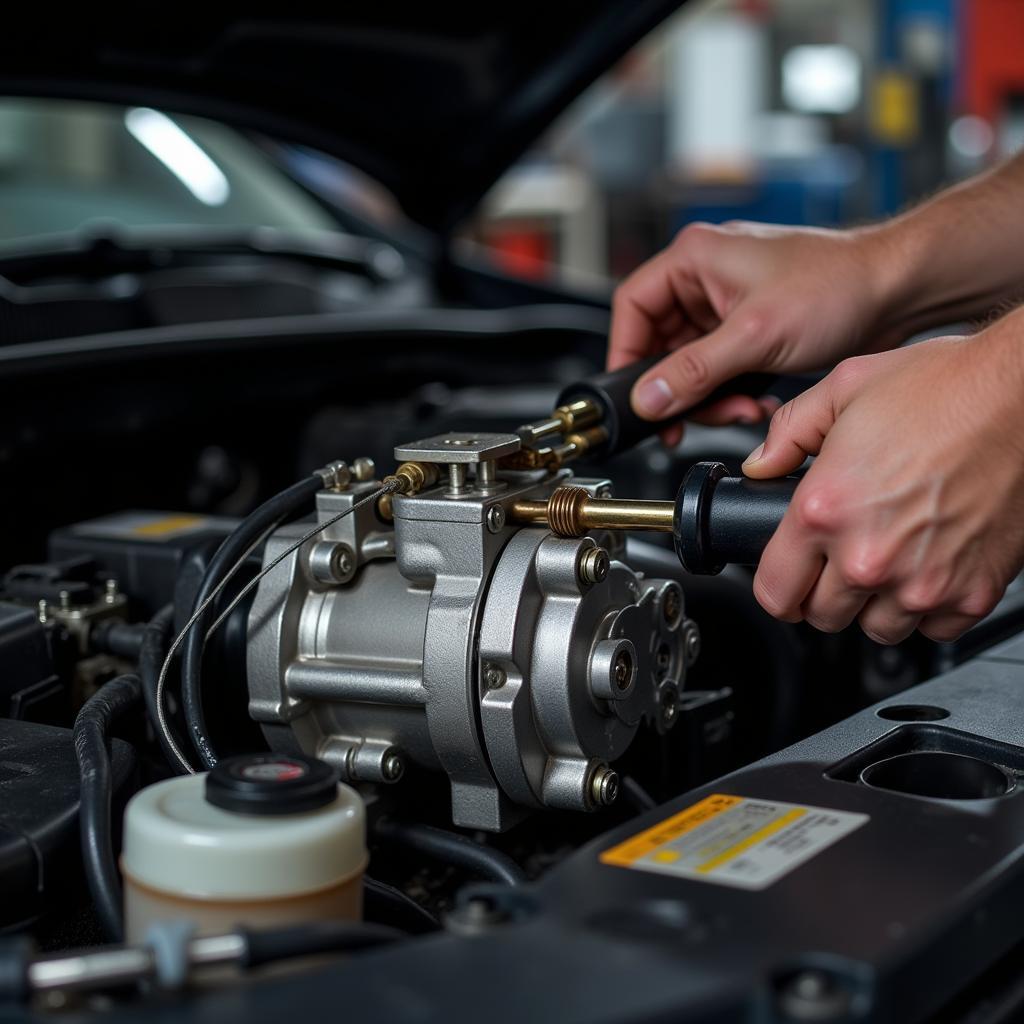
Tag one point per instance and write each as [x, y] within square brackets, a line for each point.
[91, 735]
[162, 721]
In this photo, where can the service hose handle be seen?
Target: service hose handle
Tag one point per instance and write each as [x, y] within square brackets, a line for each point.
[610, 393]
[721, 520]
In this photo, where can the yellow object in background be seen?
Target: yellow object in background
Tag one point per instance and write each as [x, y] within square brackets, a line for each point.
[894, 109]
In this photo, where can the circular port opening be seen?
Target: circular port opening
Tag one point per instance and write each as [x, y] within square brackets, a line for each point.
[938, 774]
[912, 713]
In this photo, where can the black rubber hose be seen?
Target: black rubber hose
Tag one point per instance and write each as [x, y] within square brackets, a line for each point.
[317, 937]
[122, 639]
[383, 903]
[452, 848]
[151, 659]
[270, 514]
[92, 727]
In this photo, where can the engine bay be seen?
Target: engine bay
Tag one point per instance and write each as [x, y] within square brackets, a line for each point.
[557, 738]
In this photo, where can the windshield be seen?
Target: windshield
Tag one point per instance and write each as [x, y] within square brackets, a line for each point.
[64, 165]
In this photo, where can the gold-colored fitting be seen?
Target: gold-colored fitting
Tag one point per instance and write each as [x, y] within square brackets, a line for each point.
[410, 478]
[572, 512]
[576, 415]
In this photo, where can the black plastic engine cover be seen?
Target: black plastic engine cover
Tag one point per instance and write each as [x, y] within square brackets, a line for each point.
[39, 849]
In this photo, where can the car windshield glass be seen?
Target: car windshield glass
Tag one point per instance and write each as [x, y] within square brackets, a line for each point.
[66, 164]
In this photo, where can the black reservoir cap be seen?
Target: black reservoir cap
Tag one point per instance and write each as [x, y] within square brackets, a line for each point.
[271, 784]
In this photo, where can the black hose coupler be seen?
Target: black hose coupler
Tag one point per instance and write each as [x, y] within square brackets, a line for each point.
[721, 520]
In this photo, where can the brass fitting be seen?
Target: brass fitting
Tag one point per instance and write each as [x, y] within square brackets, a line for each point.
[575, 446]
[410, 478]
[573, 512]
[564, 420]
[577, 415]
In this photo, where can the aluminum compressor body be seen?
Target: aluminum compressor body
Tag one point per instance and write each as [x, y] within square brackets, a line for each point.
[519, 663]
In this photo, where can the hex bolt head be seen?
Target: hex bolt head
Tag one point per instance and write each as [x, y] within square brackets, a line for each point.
[364, 469]
[495, 518]
[604, 786]
[593, 566]
[494, 677]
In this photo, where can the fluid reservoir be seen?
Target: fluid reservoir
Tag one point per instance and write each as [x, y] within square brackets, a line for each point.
[262, 840]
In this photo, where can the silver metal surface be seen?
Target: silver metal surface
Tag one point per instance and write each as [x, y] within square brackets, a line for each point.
[459, 447]
[103, 968]
[518, 663]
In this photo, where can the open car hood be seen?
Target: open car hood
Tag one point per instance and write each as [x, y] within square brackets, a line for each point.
[433, 101]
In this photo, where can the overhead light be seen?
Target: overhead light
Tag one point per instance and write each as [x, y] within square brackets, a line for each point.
[179, 154]
[821, 79]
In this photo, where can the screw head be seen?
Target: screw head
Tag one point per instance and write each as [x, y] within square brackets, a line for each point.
[393, 767]
[495, 518]
[669, 708]
[622, 670]
[604, 786]
[691, 644]
[593, 566]
[494, 677]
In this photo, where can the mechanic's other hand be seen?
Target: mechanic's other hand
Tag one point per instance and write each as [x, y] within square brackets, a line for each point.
[721, 301]
[912, 516]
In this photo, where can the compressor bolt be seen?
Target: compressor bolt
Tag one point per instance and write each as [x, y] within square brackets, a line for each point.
[393, 768]
[604, 786]
[623, 670]
[494, 677]
[495, 518]
[592, 566]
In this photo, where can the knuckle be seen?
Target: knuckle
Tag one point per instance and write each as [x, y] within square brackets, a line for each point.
[694, 233]
[864, 569]
[817, 508]
[923, 595]
[848, 373]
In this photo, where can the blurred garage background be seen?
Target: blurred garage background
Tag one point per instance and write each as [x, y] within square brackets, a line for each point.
[820, 112]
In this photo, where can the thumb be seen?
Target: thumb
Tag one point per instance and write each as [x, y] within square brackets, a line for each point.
[797, 430]
[695, 369]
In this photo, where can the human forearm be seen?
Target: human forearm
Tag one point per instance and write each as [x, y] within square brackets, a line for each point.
[957, 256]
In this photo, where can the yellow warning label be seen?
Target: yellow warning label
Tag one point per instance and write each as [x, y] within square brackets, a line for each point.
[734, 840]
[169, 525]
[685, 821]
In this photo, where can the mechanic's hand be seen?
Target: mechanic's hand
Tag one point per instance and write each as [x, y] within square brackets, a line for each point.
[721, 301]
[912, 516]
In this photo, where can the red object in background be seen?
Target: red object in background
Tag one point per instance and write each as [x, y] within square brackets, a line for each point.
[522, 251]
[993, 55]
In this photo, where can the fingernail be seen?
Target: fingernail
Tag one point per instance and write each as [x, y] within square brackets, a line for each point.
[652, 396]
[754, 456]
